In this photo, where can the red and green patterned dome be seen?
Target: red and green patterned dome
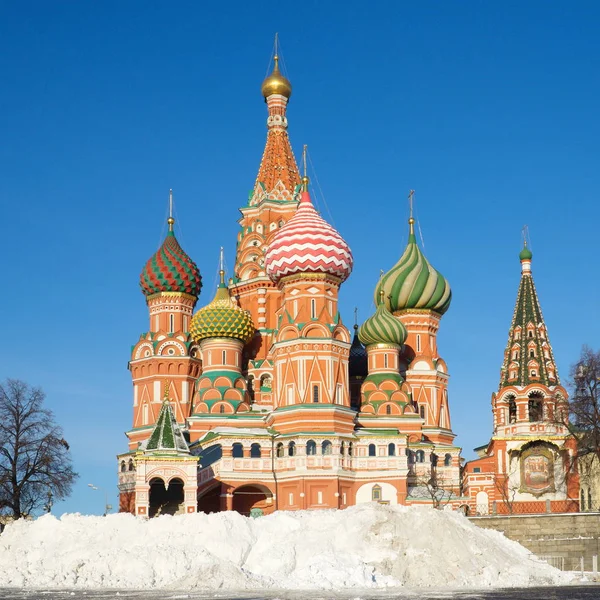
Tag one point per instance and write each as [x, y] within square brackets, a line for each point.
[170, 269]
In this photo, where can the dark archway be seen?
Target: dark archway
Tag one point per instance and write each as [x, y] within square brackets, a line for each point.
[251, 500]
[163, 500]
[210, 501]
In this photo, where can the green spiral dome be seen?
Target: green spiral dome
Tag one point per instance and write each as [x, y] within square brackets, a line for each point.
[222, 318]
[382, 328]
[412, 283]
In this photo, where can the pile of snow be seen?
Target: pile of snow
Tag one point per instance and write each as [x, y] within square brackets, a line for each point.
[364, 546]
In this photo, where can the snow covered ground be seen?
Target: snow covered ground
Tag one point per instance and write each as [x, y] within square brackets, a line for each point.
[363, 547]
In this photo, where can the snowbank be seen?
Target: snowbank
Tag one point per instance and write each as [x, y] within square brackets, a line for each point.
[364, 546]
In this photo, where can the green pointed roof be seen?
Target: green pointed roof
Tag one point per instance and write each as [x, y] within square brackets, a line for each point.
[166, 435]
[382, 327]
[413, 283]
[222, 318]
[528, 334]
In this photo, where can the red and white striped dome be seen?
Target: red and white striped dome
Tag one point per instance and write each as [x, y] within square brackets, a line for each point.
[308, 244]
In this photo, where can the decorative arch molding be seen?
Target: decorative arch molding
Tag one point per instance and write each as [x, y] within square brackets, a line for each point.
[290, 332]
[143, 346]
[315, 330]
[159, 473]
[171, 342]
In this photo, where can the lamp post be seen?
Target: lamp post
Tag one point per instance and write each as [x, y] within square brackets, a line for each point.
[107, 506]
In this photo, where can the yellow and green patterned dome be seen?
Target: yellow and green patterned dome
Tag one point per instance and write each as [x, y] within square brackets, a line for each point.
[412, 283]
[222, 318]
[382, 327]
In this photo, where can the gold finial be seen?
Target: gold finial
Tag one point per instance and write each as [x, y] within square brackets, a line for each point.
[381, 290]
[411, 220]
[171, 220]
[221, 268]
[305, 179]
[166, 394]
[276, 83]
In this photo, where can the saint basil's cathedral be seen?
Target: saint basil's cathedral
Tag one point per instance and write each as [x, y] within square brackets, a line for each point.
[263, 400]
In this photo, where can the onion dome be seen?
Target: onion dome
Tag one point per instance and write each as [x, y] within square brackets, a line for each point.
[525, 254]
[382, 327]
[357, 360]
[308, 244]
[170, 269]
[222, 318]
[413, 283]
[276, 83]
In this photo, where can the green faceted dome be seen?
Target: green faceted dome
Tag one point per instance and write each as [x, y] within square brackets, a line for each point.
[525, 254]
[222, 318]
[412, 283]
[382, 328]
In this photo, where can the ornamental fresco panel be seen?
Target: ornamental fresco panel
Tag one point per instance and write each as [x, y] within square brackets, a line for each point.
[537, 471]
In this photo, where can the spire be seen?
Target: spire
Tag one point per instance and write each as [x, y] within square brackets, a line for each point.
[305, 179]
[221, 269]
[278, 173]
[411, 220]
[171, 220]
[167, 436]
[525, 255]
[528, 357]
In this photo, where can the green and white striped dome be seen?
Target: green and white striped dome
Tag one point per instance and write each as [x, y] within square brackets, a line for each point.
[412, 283]
[382, 328]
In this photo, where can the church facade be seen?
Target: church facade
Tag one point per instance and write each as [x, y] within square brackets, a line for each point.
[263, 399]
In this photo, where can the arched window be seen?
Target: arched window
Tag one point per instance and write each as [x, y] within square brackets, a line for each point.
[131, 466]
[350, 449]
[313, 308]
[315, 393]
[372, 450]
[391, 449]
[342, 448]
[326, 447]
[422, 411]
[311, 448]
[123, 468]
[447, 460]
[512, 410]
[171, 323]
[376, 493]
[255, 451]
[530, 334]
[420, 456]
[224, 357]
[388, 409]
[292, 449]
[237, 450]
[385, 361]
[279, 450]
[535, 405]
[411, 456]
[222, 408]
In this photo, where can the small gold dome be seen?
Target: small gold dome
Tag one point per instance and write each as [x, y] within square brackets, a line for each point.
[276, 83]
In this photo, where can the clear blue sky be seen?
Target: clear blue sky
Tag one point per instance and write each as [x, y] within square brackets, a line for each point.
[488, 110]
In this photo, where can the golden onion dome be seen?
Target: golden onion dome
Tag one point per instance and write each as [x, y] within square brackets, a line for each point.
[276, 83]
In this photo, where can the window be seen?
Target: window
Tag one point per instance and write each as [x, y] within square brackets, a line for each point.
[422, 411]
[311, 448]
[420, 456]
[279, 451]
[237, 451]
[388, 409]
[418, 343]
[535, 406]
[533, 373]
[350, 448]
[123, 468]
[292, 449]
[582, 507]
[531, 353]
[339, 393]
[391, 449]
[313, 308]
[326, 447]
[255, 451]
[224, 356]
[131, 466]
[315, 393]
[376, 493]
[530, 334]
[512, 410]
[372, 450]
[222, 408]
[447, 460]
[476, 469]
[385, 361]
[171, 323]
[342, 448]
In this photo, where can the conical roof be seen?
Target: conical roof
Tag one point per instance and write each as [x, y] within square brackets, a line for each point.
[308, 244]
[222, 318]
[166, 435]
[170, 269]
[382, 327]
[412, 283]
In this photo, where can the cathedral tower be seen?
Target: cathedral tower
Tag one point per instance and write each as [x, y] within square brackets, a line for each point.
[171, 283]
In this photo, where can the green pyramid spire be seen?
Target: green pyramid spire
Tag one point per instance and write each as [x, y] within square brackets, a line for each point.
[166, 435]
[528, 357]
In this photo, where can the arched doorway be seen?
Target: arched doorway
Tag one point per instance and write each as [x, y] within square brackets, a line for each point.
[252, 500]
[210, 501]
[165, 500]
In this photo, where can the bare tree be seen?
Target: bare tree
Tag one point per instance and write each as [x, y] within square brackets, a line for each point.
[584, 403]
[506, 487]
[35, 464]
